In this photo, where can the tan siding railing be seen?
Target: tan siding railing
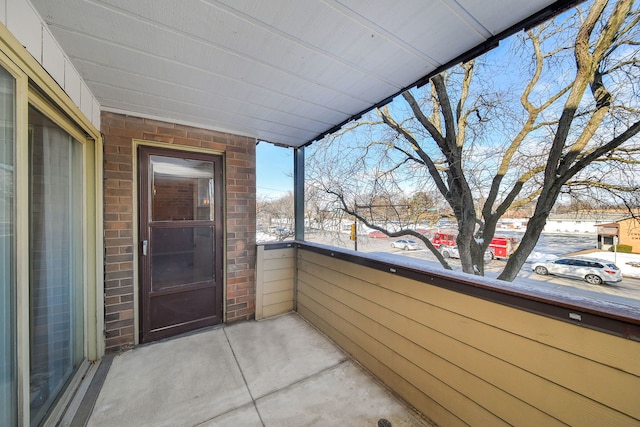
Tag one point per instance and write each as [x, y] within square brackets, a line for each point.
[275, 280]
[463, 360]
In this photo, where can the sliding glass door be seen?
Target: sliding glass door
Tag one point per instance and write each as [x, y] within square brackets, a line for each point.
[51, 274]
[8, 388]
[56, 343]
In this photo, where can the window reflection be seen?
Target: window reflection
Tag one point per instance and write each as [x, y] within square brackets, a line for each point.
[182, 189]
[56, 262]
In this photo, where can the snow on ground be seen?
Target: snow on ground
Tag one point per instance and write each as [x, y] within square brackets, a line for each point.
[628, 263]
[264, 237]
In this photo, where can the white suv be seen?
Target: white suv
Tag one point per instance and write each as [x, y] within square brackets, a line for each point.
[594, 271]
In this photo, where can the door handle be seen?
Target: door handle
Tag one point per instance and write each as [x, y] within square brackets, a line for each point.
[145, 245]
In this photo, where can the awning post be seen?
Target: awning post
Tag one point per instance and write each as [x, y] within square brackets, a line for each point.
[298, 192]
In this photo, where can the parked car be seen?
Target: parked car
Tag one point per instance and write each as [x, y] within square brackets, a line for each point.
[452, 252]
[500, 247]
[375, 234]
[405, 244]
[593, 271]
[279, 231]
[449, 251]
[447, 239]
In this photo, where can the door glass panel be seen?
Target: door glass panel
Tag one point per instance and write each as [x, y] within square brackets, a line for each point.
[56, 262]
[8, 392]
[182, 189]
[181, 256]
[180, 242]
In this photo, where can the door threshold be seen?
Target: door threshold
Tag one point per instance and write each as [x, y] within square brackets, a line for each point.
[84, 400]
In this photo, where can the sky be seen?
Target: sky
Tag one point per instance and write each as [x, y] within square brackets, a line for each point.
[275, 164]
[274, 171]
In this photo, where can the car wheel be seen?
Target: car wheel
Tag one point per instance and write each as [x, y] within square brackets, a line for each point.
[446, 254]
[593, 279]
[541, 270]
[406, 248]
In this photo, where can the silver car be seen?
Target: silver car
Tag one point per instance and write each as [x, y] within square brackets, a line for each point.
[407, 245]
[593, 271]
[452, 252]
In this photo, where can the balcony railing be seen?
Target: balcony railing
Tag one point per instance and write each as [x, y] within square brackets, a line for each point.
[461, 349]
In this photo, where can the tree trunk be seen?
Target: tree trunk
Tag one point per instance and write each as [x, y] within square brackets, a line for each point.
[531, 235]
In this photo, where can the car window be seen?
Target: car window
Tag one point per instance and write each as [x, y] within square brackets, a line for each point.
[581, 263]
[612, 266]
[563, 261]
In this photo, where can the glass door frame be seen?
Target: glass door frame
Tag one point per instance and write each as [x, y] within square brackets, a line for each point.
[137, 299]
[145, 224]
[34, 86]
[20, 245]
[80, 284]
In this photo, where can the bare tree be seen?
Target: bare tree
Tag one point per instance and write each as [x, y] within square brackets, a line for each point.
[276, 216]
[567, 123]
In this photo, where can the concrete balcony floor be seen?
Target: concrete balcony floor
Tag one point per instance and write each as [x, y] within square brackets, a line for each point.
[276, 372]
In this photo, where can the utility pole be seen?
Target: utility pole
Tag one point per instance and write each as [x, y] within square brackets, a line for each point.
[354, 234]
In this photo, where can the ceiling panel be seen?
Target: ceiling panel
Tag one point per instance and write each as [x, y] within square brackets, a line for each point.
[282, 71]
[195, 94]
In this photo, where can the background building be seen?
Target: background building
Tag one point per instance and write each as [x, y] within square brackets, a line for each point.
[627, 230]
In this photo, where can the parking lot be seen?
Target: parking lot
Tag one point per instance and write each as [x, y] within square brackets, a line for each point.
[625, 292]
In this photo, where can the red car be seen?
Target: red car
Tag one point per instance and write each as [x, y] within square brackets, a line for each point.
[500, 247]
[375, 234]
[446, 239]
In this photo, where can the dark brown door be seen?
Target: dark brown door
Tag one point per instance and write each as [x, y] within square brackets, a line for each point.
[180, 242]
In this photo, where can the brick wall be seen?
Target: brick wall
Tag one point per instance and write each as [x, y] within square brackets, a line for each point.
[240, 205]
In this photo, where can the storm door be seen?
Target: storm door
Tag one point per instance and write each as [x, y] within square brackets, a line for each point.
[180, 248]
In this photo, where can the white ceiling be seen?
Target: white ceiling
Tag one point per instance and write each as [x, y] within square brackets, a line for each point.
[283, 71]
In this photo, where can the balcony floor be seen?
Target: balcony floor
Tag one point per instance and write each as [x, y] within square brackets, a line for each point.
[276, 372]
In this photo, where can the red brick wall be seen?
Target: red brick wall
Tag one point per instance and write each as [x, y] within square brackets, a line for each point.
[240, 205]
